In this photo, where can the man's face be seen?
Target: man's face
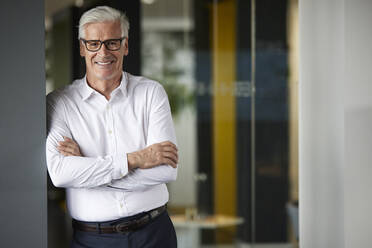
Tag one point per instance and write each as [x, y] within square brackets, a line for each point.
[103, 64]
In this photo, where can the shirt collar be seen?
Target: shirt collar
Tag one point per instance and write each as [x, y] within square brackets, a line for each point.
[87, 91]
[123, 87]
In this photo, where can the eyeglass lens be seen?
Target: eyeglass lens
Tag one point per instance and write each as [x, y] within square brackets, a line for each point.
[95, 45]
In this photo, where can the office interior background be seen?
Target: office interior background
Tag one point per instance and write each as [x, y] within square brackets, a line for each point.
[235, 93]
[201, 51]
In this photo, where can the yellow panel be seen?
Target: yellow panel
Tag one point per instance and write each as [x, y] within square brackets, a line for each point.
[224, 77]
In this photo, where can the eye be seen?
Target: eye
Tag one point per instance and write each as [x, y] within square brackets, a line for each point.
[112, 43]
[93, 43]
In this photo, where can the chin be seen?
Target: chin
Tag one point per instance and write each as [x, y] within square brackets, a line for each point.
[104, 76]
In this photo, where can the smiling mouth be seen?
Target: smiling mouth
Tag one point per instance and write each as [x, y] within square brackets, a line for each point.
[104, 63]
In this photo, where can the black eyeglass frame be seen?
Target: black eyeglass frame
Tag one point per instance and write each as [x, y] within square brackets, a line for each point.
[102, 42]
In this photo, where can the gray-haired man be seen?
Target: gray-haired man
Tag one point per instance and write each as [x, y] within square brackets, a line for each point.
[111, 144]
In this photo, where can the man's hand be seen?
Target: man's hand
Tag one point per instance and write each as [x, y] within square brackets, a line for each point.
[157, 154]
[68, 147]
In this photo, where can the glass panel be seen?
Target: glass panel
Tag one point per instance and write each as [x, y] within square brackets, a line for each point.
[241, 119]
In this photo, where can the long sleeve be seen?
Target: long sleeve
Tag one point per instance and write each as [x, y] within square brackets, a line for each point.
[73, 171]
[160, 128]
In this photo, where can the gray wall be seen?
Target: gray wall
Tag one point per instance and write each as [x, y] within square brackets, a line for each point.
[23, 208]
[358, 123]
[335, 123]
[321, 124]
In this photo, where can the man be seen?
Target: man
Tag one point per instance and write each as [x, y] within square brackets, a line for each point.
[111, 144]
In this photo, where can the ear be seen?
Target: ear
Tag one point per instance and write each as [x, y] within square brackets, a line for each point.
[82, 49]
[126, 47]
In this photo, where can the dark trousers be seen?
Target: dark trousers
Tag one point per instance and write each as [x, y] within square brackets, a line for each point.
[158, 233]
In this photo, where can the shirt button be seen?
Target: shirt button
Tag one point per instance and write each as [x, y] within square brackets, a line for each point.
[110, 132]
[108, 107]
[121, 205]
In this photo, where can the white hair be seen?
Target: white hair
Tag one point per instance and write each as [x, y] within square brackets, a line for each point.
[103, 14]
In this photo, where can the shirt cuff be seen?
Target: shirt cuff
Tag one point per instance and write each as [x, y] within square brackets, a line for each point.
[120, 165]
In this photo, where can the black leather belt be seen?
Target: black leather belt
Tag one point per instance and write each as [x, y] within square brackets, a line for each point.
[120, 227]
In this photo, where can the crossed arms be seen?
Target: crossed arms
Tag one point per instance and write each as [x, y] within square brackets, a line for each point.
[152, 156]
[155, 164]
[157, 154]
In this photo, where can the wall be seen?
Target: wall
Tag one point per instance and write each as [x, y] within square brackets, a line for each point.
[23, 208]
[358, 123]
[335, 123]
[321, 124]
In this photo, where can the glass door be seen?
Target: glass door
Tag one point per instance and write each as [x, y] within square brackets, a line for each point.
[230, 71]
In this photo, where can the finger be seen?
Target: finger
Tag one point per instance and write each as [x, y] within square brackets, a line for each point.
[67, 138]
[170, 149]
[70, 144]
[66, 154]
[171, 156]
[168, 143]
[65, 146]
[65, 143]
[170, 162]
[63, 152]
[61, 149]
[66, 149]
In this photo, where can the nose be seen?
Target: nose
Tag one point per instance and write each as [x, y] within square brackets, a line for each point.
[103, 50]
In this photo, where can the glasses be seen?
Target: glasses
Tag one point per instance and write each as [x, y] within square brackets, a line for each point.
[95, 45]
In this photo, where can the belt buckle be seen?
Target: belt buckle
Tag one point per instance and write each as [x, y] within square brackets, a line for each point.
[122, 228]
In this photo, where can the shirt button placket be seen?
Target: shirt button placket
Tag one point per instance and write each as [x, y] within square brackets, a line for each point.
[108, 127]
[109, 120]
[122, 207]
[111, 128]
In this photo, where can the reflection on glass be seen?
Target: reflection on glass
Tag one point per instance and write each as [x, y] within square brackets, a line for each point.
[206, 46]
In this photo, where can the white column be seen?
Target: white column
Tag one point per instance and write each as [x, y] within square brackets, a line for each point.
[358, 123]
[321, 124]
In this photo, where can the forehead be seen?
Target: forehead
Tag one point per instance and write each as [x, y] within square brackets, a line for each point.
[102, 30]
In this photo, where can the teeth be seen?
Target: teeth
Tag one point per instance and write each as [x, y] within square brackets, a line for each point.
[103, 63]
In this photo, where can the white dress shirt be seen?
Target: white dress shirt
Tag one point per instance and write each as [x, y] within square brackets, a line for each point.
[99, 186]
